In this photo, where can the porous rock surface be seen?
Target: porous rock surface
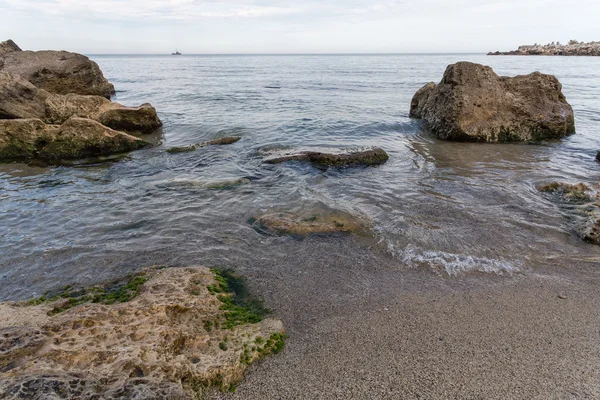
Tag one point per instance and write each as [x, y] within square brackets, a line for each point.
[156, 346]
[473, 103]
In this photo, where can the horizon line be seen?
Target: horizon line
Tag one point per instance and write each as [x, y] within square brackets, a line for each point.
[281, 54]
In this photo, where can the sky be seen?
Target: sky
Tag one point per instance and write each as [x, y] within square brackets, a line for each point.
[313, 26]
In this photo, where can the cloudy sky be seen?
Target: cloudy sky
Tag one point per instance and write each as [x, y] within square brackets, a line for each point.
[313, 26]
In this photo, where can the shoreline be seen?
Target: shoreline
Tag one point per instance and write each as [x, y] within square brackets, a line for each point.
[531, 336]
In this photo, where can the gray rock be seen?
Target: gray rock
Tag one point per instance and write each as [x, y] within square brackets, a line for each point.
[59, 72]
[8, 46]
[473, 103]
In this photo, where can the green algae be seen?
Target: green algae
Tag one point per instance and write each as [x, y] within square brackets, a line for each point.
[116, 292]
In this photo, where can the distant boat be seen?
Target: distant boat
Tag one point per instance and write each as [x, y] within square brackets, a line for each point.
[177, 53]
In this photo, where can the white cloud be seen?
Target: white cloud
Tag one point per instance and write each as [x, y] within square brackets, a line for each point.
[151, 9]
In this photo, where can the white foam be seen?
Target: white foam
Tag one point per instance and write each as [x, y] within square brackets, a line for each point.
[455, 264]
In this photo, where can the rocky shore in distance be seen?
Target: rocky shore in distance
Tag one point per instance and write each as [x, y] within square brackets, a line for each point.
[55, 106]
[573, 48]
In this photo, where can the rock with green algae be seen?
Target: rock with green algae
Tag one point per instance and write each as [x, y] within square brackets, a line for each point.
[353, 158]
[173, 333]
[22, 139]
[193, 147]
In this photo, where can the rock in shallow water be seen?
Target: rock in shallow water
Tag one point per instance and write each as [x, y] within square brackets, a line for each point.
[76, 138]
[193, 147]
[473, 103]
[370, 157]
[174, 340]
[577, 192]
[309, 222]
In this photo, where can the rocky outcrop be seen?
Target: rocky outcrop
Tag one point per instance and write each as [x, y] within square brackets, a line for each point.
[76, 138]
[173, 333]
[353, 158]
[8, 46]
[573, 48]
[21, 99]
[59, 72]
[49, 110]
[473, 103]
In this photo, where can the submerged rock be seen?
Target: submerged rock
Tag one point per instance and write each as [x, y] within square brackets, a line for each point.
[173, 333]
[76, 138]
[59, 72]
[591, 233]
[193, 147]
[8, 46]
[577, 192]
[309, 222]
[473, 103]
[370, 157]
[217, 185]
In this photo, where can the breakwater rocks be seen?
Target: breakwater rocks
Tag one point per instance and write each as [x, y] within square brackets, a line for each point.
[473, 103]
[573, 48]
[173, 333]
[44, 94]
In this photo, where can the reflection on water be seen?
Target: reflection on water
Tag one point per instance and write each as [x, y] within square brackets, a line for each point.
[448, 207]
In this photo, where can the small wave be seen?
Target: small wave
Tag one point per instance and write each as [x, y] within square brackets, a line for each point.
[455, 264]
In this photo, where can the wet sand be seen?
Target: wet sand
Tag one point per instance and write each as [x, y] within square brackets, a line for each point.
[365, 332]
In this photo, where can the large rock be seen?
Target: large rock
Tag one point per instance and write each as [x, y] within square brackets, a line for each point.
[473, 103]
[164, 334]
[19, 98]
[59, 72]
[8, 46]
[76, 138]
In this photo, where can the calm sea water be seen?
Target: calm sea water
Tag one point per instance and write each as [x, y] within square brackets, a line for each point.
[453, 209]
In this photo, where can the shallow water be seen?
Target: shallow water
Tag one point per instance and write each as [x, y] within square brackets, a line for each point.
[450, 208]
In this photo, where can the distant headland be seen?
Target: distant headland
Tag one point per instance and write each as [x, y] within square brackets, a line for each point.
[573, 48]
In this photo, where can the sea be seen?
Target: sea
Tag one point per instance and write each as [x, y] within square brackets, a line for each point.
[448, 210]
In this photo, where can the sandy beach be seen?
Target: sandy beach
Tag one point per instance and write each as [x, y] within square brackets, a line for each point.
[411, 335]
